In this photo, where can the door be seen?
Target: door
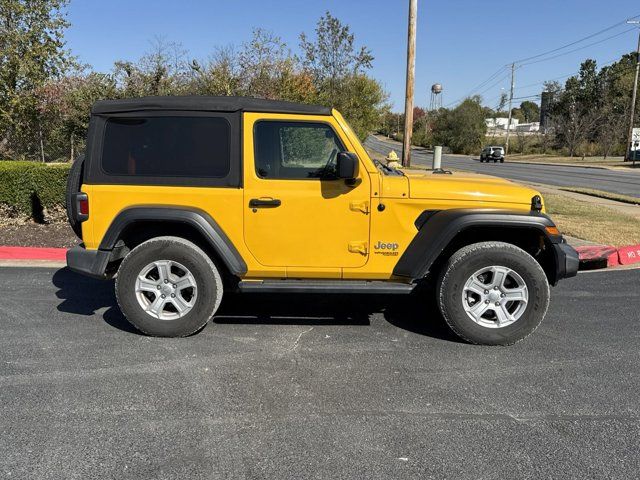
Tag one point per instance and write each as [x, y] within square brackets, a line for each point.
[297, 215]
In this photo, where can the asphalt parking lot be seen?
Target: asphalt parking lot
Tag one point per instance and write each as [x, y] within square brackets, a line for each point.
[315, 387]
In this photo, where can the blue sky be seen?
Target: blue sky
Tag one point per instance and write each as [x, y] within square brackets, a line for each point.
[460, 43]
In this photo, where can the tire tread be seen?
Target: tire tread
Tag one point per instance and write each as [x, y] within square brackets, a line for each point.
[461, 256]
[183, 243]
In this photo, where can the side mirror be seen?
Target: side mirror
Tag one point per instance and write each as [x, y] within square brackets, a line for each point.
[347, 165]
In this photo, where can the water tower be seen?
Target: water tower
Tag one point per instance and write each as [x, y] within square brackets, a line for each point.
[436, 97]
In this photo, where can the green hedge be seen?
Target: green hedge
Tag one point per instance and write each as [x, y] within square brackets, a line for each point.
[29, 187]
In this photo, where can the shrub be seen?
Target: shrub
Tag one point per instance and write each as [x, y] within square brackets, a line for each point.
[31, 189]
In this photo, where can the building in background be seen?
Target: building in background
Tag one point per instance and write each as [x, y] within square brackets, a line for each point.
[501, 123]
[531, 127]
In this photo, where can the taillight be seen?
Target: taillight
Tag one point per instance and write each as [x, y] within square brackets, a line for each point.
[81, 202]
[83, 206]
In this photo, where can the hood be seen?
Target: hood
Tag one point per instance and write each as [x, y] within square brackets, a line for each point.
[464, 188]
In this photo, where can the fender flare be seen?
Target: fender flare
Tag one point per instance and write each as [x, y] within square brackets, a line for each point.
[200, 220]
[437, 228]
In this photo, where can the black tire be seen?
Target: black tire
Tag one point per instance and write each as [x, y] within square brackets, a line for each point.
[197, 262]
[502, 160]
[74, 182]
[470, 259]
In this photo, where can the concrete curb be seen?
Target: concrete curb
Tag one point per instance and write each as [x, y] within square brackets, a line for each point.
[32, 263]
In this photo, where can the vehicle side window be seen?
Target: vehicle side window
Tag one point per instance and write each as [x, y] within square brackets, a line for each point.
[295, 150]
[167, 146]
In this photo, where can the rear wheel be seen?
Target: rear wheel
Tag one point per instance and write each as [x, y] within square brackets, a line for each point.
[168, 287]
[493, 293]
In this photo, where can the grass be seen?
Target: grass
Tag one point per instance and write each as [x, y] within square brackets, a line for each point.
[592, 222]
[600, 194]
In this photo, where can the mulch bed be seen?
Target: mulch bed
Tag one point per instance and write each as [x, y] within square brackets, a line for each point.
[31, 234]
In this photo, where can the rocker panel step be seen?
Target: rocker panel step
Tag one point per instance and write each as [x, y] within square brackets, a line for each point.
[324, 286]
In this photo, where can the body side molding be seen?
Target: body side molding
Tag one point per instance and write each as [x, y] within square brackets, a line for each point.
[437, 228]
[198, 219]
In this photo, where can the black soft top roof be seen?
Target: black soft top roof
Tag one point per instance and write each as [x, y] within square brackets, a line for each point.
[207, 104]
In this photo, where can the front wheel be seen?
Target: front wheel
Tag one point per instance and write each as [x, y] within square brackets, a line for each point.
[493, 293]
[168, 287]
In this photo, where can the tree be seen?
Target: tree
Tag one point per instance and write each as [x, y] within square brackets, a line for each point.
[516, 114]
[220, 75]
[31, 52]
[332, 56]
[462, 129]
[269, 70]
[530, 111]
[362, 101]
[163, 70]
[45, 97]
[64, 105]
[502, 102]
[577, 112]
[616, 82]
[338, 72]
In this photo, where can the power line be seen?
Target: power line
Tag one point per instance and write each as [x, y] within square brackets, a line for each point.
[528, 96]
[578, 49]
[628, 68]
[493, 85]
[488, 80]
[577, 41]
[565, 76]
[527, 61]
[474, 89]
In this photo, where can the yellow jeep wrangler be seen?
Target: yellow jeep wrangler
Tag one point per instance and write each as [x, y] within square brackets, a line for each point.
[181, 198]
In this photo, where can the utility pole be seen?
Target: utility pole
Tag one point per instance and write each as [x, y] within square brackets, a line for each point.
[634, 94]
[506, 145]
[411, 70]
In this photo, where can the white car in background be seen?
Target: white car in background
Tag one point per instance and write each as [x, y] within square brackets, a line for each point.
[495, 153]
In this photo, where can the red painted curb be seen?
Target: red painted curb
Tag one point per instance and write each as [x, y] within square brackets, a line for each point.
[33, 253]
[598, 253]
[629, 255]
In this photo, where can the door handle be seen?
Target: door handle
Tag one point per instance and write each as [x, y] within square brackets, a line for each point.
[264, 203]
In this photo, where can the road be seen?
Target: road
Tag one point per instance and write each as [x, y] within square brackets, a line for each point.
[616, 181]
[315, 387]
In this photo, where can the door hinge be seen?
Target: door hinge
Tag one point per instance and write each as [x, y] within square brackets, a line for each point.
[359, 207]
[359, 247]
